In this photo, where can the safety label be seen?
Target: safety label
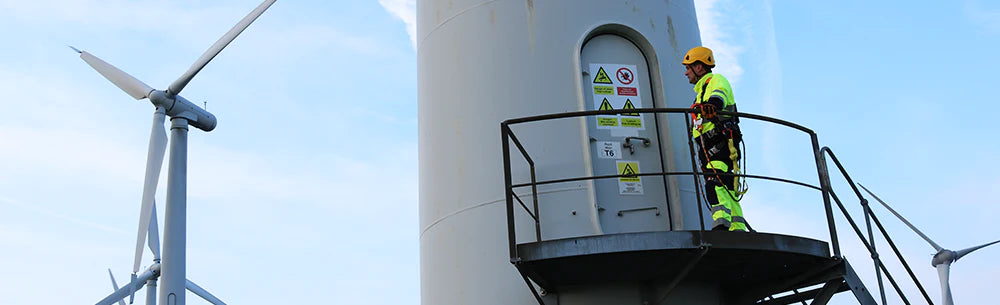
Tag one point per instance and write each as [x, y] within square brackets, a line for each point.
[602, 76]
[629, 185]
[625, 75]
[631, 119]
[607, 120]
[609, 150]
[631, 91]
[618, 92]
[604, 90]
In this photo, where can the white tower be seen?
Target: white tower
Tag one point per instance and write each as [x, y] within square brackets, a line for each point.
[481, 63]
[613, 240]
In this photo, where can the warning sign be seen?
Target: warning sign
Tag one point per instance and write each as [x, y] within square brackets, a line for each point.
[619, 92]
[605, 105]
[629, 185]
[604, 90]
[630, 91]
[625, 75]
[628, 168]
[628, 105]
[631, 119]
[607, 120]
[602, 77]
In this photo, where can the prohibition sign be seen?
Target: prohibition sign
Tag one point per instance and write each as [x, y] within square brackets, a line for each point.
[625, 76]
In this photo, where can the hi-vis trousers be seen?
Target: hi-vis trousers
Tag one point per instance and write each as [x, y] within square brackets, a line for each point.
[721, 189]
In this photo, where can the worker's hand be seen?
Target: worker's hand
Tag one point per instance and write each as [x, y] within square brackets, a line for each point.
[707, 111]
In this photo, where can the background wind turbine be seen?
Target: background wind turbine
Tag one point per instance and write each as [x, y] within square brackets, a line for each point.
[115, 286]
[942, 259]
[182, 113]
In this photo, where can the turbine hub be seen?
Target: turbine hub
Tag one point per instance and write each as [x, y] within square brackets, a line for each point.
[944, 256]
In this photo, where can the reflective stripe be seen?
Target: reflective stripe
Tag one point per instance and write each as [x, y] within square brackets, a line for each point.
[739, 219]
[721, 222]
[722, 94]
[723, 208]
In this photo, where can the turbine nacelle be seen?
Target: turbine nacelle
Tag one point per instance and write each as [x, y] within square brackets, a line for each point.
[944, 257]
[167, 103]
[179, 107]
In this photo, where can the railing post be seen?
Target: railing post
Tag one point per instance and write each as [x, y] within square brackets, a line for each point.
[534, 197]
[824, 182]
[875, 257]
[697, 183]
[508, 191]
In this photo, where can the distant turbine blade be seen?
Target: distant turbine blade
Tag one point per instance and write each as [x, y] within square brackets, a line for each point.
[115, 285]
[132, 289]
[960, 253]
[201, 292]
[181, 82]
[131, 85]
[154, 234]
[154, 161]
[943, 274]
[933, 244]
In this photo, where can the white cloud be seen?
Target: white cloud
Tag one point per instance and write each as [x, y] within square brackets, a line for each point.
[405, 10]
[715, 34]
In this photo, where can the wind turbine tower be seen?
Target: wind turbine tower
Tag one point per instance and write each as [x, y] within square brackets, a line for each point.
[526, 71]
[167, 103]
[942, 259]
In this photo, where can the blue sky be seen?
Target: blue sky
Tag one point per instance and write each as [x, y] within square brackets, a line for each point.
[307, 190]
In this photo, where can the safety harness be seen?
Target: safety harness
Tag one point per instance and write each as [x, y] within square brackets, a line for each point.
[724, 137]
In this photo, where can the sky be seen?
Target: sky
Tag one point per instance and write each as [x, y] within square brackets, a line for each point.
[306, 192]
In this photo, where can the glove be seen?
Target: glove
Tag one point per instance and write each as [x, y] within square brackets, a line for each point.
[707, 111]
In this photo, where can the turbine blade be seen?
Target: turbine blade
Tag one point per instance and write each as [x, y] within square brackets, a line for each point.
[131, 85]
[943, 274]
[181, 82]
[154, 161]
[132, 288]
[134, 285]
[154, 234]
[933, 244]
[115, 285]
[201, 292]
[960, 253]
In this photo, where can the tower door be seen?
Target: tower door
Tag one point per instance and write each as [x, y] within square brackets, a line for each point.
[616, 76]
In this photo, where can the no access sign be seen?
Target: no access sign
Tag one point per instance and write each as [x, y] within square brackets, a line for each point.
[625, 76]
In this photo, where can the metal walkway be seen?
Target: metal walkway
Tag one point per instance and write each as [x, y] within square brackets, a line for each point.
[762, 265]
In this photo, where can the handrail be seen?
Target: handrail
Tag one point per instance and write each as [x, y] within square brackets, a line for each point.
[825, 186]
[508, 136]
[868, 213]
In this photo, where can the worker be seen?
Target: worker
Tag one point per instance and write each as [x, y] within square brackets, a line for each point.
[718, 137]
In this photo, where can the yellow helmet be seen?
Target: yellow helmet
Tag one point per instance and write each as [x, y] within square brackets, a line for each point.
[702, 54]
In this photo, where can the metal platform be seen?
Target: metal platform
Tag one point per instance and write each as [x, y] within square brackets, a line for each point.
[760, 264]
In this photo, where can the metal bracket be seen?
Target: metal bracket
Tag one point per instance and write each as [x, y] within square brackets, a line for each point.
[628, 143]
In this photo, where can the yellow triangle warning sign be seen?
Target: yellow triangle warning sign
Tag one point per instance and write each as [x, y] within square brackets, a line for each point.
[628, 105]
[628, 171]
[602, 77]
[605, 105]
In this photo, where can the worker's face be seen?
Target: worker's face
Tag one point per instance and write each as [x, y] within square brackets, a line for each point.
[693, 72]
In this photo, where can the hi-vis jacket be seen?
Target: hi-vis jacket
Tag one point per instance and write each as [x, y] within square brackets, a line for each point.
[709, 86]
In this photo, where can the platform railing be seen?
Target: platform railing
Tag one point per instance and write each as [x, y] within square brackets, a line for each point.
[819, 154]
